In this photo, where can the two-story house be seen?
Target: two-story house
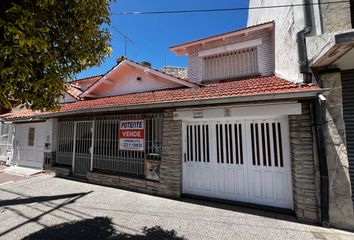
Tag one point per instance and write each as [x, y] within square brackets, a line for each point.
[232, 130]
[314, 42]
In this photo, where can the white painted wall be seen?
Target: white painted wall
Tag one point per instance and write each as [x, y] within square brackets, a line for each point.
[125, 81]
[265, 53]
[51, 134]
[288, 21]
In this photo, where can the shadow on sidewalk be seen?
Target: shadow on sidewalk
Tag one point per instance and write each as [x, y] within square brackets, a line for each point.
[69, 199]
[39, 199]
[99, 228]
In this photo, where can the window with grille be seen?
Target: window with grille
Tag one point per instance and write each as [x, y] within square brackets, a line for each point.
[198, 145]
[229, 144]
[266, 143]
[230, 64]
[31, 136]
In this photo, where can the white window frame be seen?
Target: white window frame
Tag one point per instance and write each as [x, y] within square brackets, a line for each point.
[229, 48]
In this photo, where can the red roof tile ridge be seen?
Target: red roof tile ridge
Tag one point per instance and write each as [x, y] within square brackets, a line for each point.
[86, 78]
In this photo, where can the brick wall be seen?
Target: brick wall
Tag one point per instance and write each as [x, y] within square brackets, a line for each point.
[170, 183]
[303, 165]
[265, 54]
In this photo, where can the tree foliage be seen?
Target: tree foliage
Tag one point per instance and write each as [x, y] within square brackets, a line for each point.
[44, 43]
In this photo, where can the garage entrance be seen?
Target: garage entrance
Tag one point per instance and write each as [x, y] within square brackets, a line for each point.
[29, 144]
[247, 161]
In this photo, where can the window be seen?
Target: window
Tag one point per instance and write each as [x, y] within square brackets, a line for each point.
[230, 64]
[31, 136]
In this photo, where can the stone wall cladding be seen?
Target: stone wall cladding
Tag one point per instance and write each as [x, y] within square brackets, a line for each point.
[133, 184]
[335, 17]
[340, 203]
[303, 165]
[170, 183]
[265, 53]
[59, 171]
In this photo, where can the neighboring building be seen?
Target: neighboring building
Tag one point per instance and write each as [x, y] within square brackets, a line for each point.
[30, 142]
[232, 130]
[6, 144]
[315, 43]
[180, 72]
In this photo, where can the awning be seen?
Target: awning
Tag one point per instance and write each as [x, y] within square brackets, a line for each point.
[337, 52]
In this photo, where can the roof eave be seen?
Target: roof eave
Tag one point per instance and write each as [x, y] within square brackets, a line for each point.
[338, 46]
[191, 103]
[138, 66]
[181, 48]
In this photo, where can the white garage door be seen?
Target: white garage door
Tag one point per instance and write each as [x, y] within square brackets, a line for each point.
[29, 144]
[245, 161]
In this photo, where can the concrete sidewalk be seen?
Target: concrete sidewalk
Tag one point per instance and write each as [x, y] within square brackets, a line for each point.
[22, 171]
[46, 207]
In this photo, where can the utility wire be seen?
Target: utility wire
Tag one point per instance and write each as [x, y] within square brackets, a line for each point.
[122, 34]
[228, 9]
[126, 39]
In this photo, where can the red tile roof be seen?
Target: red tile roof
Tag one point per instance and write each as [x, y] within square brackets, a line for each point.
[25, 113]
[88, 79]
[241, 87]
[73, 90]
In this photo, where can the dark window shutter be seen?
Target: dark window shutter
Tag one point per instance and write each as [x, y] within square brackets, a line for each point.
[352, 11]
[348, 114]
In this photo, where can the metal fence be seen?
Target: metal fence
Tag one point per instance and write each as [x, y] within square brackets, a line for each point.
[106, 153]
[65, 142]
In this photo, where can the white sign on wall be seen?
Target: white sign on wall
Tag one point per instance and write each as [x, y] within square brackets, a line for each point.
[132, 135]
[197, 113]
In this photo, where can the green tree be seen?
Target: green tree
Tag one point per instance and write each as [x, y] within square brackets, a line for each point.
[45, 43]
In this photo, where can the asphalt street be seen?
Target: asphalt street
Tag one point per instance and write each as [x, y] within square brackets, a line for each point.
[46, 207]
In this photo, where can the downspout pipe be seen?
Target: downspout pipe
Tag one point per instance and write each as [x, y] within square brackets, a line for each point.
[312, 77]
[301, 41]
[320, 123]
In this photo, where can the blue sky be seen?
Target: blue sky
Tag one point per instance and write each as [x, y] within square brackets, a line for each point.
[152, 35]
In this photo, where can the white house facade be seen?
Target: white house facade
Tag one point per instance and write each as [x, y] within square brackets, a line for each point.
[232, 131]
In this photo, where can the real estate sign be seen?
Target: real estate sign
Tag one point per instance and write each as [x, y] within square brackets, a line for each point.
[132, 135]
